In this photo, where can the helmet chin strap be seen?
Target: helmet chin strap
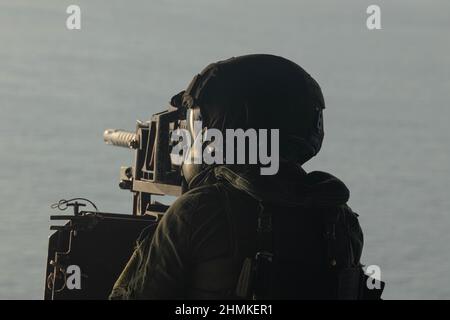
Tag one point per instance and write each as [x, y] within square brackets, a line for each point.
[191, 167]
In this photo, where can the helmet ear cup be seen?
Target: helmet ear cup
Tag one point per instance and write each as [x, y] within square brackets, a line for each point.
[317, 133]
[301, 148]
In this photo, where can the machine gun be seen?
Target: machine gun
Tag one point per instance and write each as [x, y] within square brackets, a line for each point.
[87, 254]
[152, 173]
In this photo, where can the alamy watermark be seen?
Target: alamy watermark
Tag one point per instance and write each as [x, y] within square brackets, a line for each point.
[374, 277]
[373, 21]
[73, 21]
[209, 146]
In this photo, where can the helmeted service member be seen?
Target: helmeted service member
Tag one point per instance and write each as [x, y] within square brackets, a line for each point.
[236, 233]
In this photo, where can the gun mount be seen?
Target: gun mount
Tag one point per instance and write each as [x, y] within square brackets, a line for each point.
[99, 244]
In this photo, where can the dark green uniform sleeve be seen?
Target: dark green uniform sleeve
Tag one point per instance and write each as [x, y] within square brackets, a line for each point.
[158, 267]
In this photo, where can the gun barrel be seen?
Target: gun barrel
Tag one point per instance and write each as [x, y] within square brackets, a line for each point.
[120, 138]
